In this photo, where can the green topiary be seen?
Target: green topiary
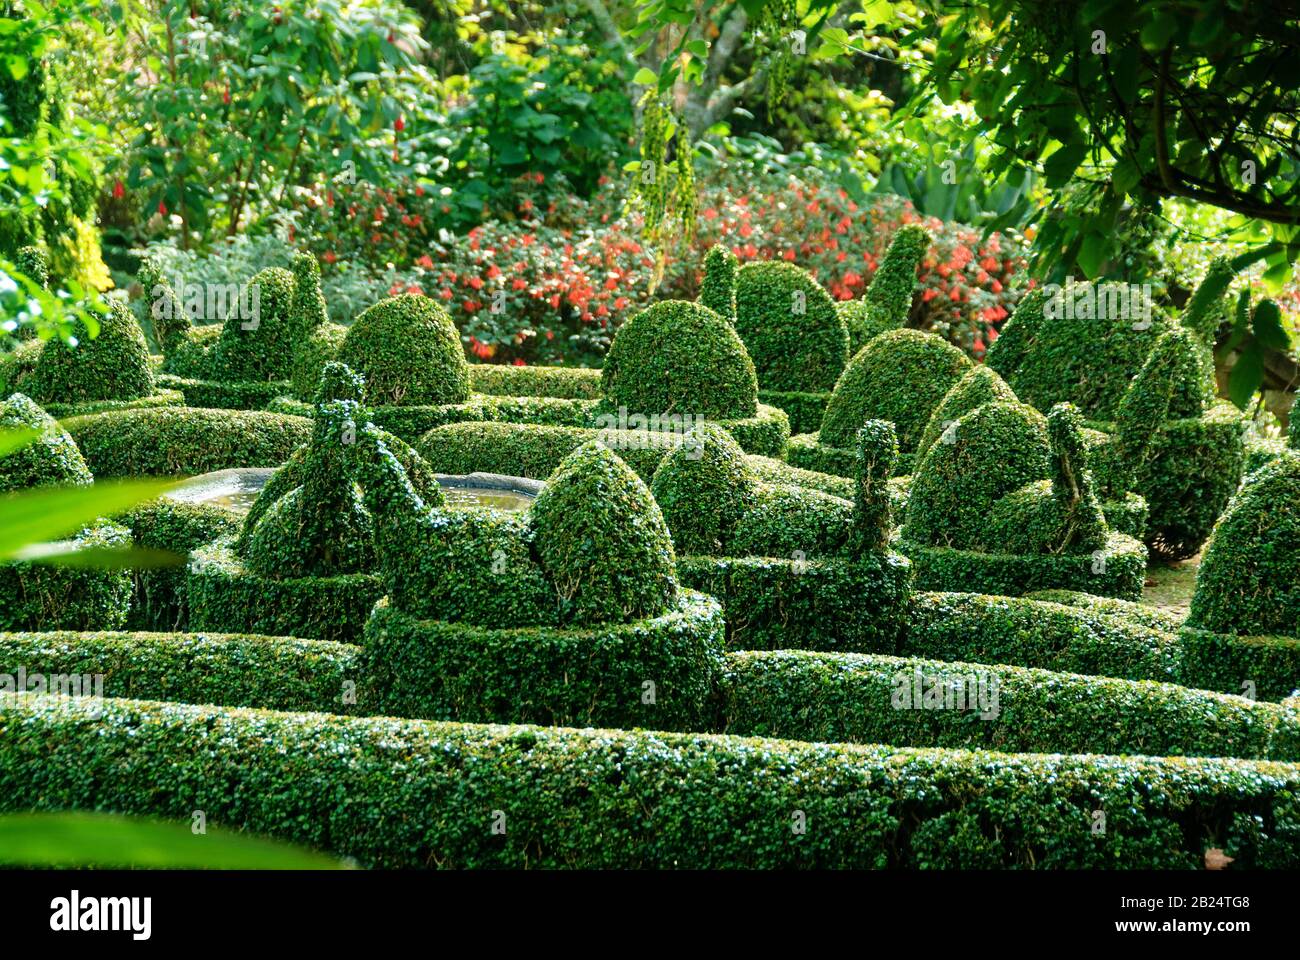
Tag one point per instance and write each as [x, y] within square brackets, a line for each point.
[112, 365]
[996, 449]
[676, 357]
[718, 289]
[862, 323]
[900, 376]
[1005, 354]
[872, 512]
[311, 354]
[51, 458]
[1201, 315]
[307, 313]
[790, 327]
[409, 352]
[259, 347]
[703, 488]
[889, 298]
[1249, 579]
[979, 386]
[33, 264]
[600, 536]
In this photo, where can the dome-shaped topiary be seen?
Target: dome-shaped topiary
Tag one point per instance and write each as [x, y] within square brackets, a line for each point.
[257, 347]
[703, 487]
[718, 289]
[676, 357]
[1017, 335]
[602, 540]
[990, 452]
[900, 376]
[112, 365]
[790, 326]
[51, 458]
[979, 386]
[1249, 579]
[409, 352]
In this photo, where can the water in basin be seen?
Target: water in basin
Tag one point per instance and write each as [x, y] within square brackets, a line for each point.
[237, 489]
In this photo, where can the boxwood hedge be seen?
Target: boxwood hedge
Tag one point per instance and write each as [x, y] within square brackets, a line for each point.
[409, 793]
[37, 596]
[658, 672]
[572, 383]
[857, 698]
[50, 458]
[225, 394]
[804, 409]
[171, 441]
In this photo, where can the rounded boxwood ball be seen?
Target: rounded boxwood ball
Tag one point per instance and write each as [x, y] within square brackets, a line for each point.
[790, 326]
[1249, 580]
[112, 365]
[602, 540]
[51, 458]
[409, 352]
[703, 487]
[899, 376]
[677, 357]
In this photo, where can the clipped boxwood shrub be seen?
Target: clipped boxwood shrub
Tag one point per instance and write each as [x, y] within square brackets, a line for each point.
[718, 289]
[158, 594]
[820, 603]
[704, 487]
[790, 326]
[899, 376]
[606, 798]
[408, 350]
[226, 597]
[50, 458]
[225, 395]
[237, 670]
[1249, 578]
[789, 521]
[37, 596]
[260, 348]
[778, 471]
[979, 385]
[660, 672]
[856, 698]
[571, 383]
[159, 398]
[1116, 570]
[171, 441]
[317, 348]
[602, 540]
[413, 422]
[112, 365]
[679, 357]
[804, 409]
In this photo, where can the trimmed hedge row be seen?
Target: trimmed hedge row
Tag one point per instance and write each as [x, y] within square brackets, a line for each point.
[771, 470]
[1093, 640]
[856, 698]
[659, 673]
[410, 423]
[234, 670]
[805, 410]
[223, 595]
[773, 603]
[225, 395]
[1119, 570]
[170, 441]
[574, 383]
[159, 595]
[409, 793]
[161, 398]
[1136, 612]
[535, 450]
[39, 596]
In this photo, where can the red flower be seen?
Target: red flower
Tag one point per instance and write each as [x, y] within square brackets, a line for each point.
[399, 124]
[162, 208]
[118, 190]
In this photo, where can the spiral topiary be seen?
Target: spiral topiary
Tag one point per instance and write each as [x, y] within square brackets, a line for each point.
[408, 350]
[676, 357]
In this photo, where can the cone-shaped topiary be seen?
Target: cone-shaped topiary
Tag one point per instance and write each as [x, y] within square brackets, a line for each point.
[900, 376]
[112, 365]
[259, 347]
[308, 312]
[50, 459]
[718, 290]
[409, 352]
[1249, 580]
[676, 357]
[889, 298]
[703, 487]
[994, 450]
[601, 538]
[979, 386]
[790, 327]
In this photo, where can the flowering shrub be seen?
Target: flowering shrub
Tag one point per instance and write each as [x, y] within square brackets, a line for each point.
[965, 283]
